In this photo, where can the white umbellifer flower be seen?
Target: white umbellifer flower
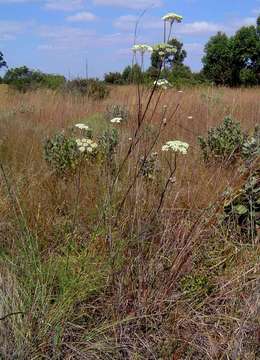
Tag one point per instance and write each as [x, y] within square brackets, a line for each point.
[165, 49]
[190, 117]
[87, 145]
[180, 91]
[171, 17]
[163, 83]
[176, 146]
[82, 148]
[116, 120]
[142, 48]
[82, 126]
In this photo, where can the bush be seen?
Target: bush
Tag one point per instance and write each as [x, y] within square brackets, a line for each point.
[61, 153]
[93, 88]
[243, 206]
[117, 110]
[251, 147]
[223, 142]
[24, 79]
[114, 78]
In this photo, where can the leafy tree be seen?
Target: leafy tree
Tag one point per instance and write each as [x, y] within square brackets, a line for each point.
[126, 74]
[113, 78]
[258, 26]
[246, 52]
[2, 61]
[218, 59]
[170, 60]
[23, 79]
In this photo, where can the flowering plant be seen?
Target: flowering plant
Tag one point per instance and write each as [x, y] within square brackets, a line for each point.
[176, 146]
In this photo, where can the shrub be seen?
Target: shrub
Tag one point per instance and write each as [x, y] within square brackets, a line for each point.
[61, 153]
[108, 142]
[223, 142]
[243, 206]
[93, 88]
[114, 78]
[117, 110]
[251, 147]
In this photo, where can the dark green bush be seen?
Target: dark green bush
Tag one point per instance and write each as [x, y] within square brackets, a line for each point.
[92, 88]
[61, 153]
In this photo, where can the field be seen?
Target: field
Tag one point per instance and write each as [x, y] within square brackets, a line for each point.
[108, 262]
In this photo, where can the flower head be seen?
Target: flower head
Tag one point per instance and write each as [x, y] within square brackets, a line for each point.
[116, 120]
[176, 146]
[86, 145]
[82, 126]
[162, 83]
[172, 17]
[165, 49]
[142, 48]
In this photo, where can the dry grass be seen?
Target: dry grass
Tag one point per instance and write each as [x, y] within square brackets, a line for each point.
[176, 288]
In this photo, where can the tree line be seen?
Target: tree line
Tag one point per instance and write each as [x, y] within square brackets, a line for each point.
[227, 61]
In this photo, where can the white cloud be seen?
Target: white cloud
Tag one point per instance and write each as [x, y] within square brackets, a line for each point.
[200, 28]
[64, 5]
[82, 16]
[131, 4]
[9, 30]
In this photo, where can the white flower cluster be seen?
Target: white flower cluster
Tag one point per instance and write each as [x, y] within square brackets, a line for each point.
[116, 120]
[176, 146]
[165, 49]
[172, 17]
[82, 126]
[142, 48]
[86, 145]
[162, 83]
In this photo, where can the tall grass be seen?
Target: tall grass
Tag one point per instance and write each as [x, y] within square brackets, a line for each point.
[123, 281]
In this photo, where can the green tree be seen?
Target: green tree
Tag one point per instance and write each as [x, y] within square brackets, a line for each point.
[113, 78]
[217, 62]
[246, 53]
[2, 61]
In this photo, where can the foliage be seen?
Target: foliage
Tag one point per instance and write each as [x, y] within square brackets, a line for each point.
[24, 79]
[61, 153]
[149, 166]
[108, 142]
[234, 60]
[218, 59]
[92, 88]
[251, 146]
[116, 110]
[170, 59]
[243, 207]
[114, 78]
[223, 142]
[2, 61]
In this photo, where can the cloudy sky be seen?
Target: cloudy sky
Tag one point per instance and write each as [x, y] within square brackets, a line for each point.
[58, 35]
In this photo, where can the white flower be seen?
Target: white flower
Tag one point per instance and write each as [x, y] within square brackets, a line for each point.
[165, 49]
[86, 145]
[82, 149]
[116, 120]
[190, 117]
[180, 91]
[176, 146]
[171, 17]
[82, 126]
[142, 48]
[163, 83]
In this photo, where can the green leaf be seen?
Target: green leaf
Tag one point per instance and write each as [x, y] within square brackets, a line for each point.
[241, 209]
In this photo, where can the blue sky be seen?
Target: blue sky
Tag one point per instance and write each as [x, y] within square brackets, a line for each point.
[58, 35]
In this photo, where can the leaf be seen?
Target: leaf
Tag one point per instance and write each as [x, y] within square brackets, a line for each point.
[241, 209]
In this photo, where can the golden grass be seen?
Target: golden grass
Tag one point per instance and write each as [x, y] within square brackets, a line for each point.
[136, 307]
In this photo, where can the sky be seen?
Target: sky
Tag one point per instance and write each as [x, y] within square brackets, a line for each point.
[60, 36]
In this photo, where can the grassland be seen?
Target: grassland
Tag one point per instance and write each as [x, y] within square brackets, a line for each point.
[86, 275]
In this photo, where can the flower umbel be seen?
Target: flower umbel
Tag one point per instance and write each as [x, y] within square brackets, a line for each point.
[172, 17]
[176, 146]
[116, 120]
[82, 126]
[86, 145]
[142, 48]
